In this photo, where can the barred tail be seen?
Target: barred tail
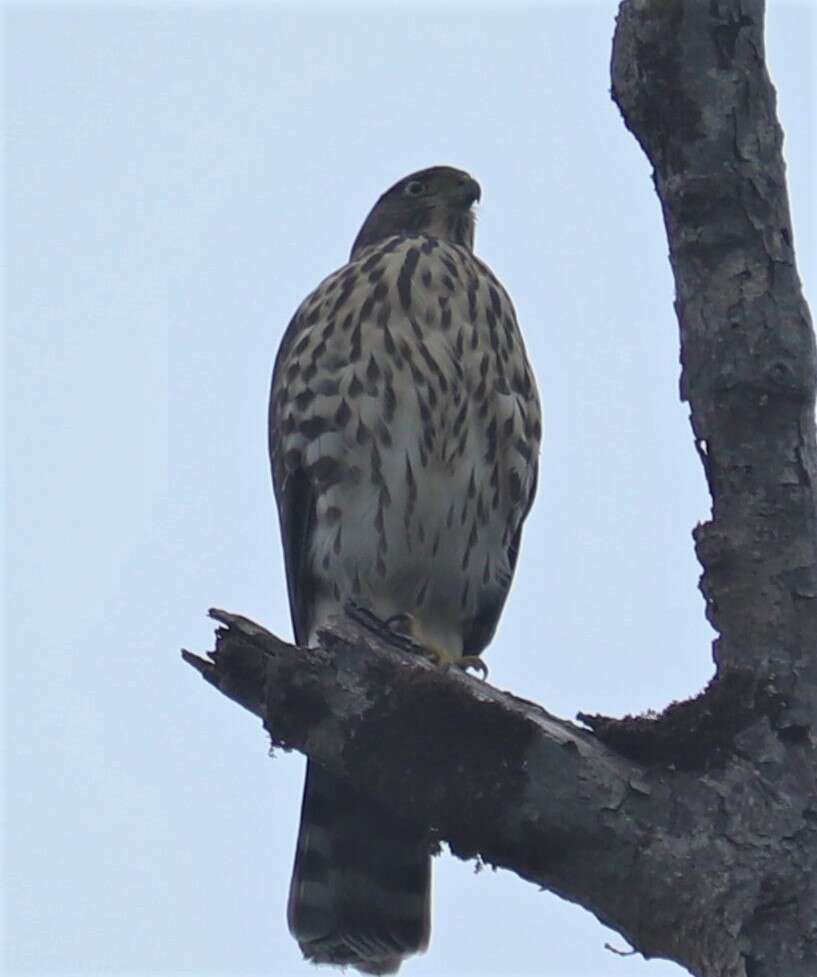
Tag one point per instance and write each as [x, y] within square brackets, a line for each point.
[361, 887]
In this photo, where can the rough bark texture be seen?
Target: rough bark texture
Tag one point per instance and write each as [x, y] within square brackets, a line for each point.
[694, 834]
[691, 82]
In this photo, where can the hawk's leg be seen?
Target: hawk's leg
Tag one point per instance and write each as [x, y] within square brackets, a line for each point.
[407, 624]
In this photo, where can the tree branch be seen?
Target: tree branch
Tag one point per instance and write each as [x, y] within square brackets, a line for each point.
[494, 775]
[692, 86]
[693, 834]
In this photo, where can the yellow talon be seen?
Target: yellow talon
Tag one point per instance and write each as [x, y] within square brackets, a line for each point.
[407, 624]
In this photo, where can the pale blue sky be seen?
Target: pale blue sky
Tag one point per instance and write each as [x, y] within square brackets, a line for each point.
[178, 178]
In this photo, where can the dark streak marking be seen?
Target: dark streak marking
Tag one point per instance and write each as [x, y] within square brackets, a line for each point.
[314, 427]
[482, 515]
[430, 361]
[363, 433]
[459, 420]
[342, 414]
[377, 464]
[388, 340]
[472, 541]
[384, 434]
[404, 278]
[354, 352]
[515, 486]
[496, 304]
[366, 309]
[383, 317]
[523, 448]
[389, 402]
[472, 301]
[343, 297]
[304, 399]
[445, 313]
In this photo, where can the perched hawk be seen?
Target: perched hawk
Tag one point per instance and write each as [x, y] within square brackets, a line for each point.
[404, 430]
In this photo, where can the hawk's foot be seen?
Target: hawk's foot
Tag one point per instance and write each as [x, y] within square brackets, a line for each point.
[407, 624]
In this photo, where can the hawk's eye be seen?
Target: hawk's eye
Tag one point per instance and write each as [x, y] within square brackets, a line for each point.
[415, 188]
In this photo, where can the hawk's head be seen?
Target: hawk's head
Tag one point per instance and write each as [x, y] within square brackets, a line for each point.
[437, 201]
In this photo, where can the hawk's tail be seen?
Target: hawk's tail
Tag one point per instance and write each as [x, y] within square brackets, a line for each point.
[361, 886]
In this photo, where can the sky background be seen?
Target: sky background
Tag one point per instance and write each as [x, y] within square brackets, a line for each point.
[177, 179]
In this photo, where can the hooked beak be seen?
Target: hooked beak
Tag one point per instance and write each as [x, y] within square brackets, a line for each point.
[470, 191]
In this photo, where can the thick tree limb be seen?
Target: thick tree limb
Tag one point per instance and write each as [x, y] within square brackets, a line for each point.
[692, 86]
[494, 775]
[694, 834]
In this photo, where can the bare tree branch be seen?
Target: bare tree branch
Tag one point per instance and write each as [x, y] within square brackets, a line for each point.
[693, 834]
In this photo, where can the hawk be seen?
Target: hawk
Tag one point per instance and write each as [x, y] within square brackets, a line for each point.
[404, 430]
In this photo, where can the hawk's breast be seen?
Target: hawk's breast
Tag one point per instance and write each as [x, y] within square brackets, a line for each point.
[403, 393]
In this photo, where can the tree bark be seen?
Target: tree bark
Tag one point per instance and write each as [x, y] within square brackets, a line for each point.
[693, 834]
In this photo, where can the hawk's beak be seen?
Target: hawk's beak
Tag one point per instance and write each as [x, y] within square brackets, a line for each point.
[470, 191]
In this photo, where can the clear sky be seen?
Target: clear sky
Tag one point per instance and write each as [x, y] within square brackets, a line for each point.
[178, 178]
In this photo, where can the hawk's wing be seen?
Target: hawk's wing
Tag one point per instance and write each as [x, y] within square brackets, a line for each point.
[486, 619]
[295, 495]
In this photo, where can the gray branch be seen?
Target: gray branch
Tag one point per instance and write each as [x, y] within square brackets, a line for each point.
[693, 834]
